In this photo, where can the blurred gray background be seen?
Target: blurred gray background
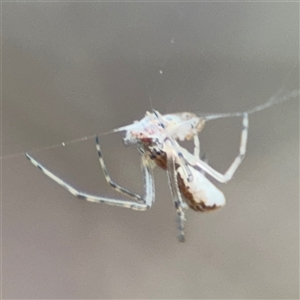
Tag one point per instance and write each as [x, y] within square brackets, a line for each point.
[71, 70]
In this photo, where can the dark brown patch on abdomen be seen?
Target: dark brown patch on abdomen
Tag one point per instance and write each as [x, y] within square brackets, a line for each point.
[160, 160]
[194, 204]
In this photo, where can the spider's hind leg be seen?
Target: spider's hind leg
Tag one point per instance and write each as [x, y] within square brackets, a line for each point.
[223, 178]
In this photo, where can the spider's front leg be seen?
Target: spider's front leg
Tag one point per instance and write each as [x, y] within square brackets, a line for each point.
[142, 203]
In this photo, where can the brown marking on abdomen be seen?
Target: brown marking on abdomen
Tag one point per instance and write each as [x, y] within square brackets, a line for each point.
[196, 205]
[160, 159]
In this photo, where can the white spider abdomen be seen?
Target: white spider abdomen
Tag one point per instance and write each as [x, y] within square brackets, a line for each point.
[200, 193]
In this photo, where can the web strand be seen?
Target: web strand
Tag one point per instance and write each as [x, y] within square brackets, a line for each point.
[62, 144]
[274, 100]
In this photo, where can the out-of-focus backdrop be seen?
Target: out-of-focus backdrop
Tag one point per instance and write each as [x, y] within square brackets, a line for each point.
[71, 70]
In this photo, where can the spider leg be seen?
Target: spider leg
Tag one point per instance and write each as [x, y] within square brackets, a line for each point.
[143, 203]
[147, 172]
[196, 145]
[177, 198]
[204, 159]
[223, 178]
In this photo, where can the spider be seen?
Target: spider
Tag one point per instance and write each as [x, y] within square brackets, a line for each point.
[156, 138]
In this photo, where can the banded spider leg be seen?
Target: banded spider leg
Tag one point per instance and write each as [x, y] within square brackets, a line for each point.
[141, 203]
[223, 178]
